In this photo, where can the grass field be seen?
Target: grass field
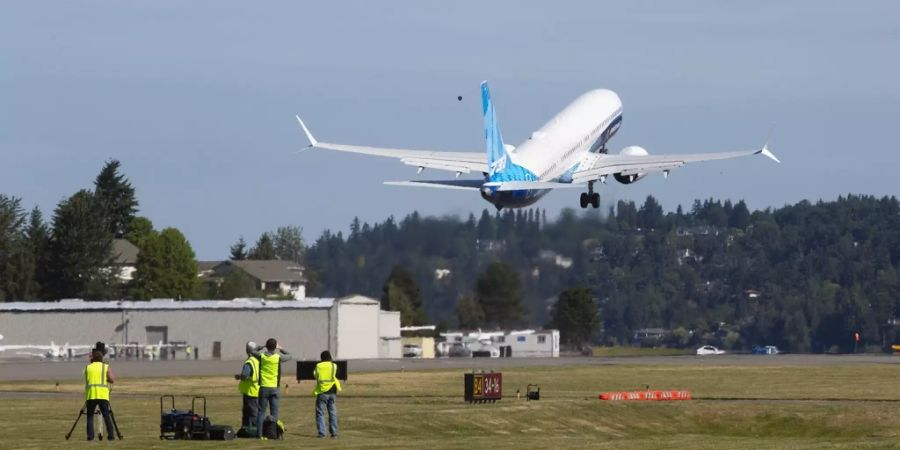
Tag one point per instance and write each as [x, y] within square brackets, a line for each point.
[851, 406]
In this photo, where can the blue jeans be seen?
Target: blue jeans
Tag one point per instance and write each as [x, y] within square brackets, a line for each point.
[91, 405]
[267, 396]
[323, 401]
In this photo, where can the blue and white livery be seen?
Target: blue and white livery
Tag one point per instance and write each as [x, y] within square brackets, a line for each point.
[569, 151]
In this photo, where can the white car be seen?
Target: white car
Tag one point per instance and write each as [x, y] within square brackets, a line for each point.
[709, 350]
[412, 351]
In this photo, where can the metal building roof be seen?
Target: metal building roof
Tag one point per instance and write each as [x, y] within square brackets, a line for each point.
[166, 305]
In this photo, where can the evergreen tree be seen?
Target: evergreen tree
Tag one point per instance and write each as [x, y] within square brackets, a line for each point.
[80, 250]
[469, 313]
[238, 250]
[288, 243]
[499, 292]
[117, 196]
[166, 268]
[400, 293]
[575, 315]
[264, 248]
[12, 219]
[37, 239]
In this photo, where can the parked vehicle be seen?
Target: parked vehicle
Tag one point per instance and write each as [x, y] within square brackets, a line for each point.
[709, 350]
[767, 350]
[412, 351]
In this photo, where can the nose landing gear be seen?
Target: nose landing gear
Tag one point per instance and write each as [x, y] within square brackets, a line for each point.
[590, 197]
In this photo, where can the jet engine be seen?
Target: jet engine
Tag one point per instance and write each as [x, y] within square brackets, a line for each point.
[633, 150]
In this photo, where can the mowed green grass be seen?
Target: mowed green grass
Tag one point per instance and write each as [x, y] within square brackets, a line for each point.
[851, 406]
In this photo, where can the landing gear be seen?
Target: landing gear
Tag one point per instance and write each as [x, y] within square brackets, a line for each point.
[590, 197]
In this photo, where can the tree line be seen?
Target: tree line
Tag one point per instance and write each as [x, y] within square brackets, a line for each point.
[72, 255]
[805, 277]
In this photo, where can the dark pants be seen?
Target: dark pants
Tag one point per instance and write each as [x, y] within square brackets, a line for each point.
[248, 413]
[268, 397]
[91, 405]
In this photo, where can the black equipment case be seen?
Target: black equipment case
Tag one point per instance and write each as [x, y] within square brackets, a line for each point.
[180, 424]
[221, 433]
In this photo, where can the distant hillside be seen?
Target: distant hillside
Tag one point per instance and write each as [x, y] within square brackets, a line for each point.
[803, 277]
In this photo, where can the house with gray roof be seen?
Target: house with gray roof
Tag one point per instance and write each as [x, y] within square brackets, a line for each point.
[276, 278]
[125, 256]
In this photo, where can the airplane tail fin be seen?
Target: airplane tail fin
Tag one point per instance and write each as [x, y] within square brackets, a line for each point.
[496, 152]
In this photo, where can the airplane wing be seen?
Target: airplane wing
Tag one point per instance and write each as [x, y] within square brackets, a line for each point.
[441, 184]
[459, 162]
[24, 347]
[636, 164]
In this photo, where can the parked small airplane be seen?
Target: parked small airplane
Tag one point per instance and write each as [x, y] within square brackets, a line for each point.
[569, 151]
[51, 352]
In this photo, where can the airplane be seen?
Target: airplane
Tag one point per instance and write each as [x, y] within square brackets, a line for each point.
[569, 151]
[52, 351]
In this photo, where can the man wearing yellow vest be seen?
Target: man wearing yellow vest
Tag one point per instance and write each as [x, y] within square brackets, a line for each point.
[269, 379]
[249, 387]
[97, 378]
[327, 387]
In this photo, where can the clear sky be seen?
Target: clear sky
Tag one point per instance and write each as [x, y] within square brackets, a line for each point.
[197, 100]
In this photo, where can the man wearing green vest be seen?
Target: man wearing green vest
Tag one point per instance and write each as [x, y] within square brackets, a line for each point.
[327, 387]
[249, 387]
[269, 379]
[97, 378]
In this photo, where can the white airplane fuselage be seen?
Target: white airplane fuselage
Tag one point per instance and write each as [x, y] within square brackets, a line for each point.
[554, 152]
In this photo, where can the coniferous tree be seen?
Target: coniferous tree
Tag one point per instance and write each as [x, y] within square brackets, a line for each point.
[80, 250]
[575, 315]
[499, 292]
[401, 293]
[288, 243]
[238, 251]
[117, 196]
[264, 248]
[12, 218]
[34, 256]
[469, 313]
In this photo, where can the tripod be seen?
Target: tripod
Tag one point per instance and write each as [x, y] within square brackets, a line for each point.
[83, 411]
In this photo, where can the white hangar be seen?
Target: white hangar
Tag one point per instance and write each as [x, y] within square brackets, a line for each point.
[352, 327]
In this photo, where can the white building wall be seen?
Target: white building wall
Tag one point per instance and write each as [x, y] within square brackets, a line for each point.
[303, 332]
[351, 328]
[357, 328]
[537, 344]
[389, 334]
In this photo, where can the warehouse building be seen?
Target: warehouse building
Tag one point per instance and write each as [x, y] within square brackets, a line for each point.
[352, 327]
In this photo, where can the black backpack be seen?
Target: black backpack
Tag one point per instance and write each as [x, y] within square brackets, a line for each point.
[271, 430]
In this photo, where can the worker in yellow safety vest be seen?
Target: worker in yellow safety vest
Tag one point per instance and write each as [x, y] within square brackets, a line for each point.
[270, 359]
[249, 387]
[97, 378]
[327, 387]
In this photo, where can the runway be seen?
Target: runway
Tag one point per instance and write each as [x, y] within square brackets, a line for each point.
[68, 370]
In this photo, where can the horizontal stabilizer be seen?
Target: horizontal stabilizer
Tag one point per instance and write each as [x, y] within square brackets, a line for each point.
[525, 185]
[441, 184]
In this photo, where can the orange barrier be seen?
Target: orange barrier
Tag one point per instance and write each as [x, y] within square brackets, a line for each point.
[646, 395]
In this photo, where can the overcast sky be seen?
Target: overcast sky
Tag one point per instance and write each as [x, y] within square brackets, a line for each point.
[197, 100]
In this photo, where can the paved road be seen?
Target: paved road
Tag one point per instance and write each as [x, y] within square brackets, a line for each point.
[68, 370]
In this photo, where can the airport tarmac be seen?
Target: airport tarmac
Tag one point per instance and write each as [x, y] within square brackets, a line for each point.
[67, 370]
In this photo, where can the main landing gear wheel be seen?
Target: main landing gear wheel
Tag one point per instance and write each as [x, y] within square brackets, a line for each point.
[590, 197]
